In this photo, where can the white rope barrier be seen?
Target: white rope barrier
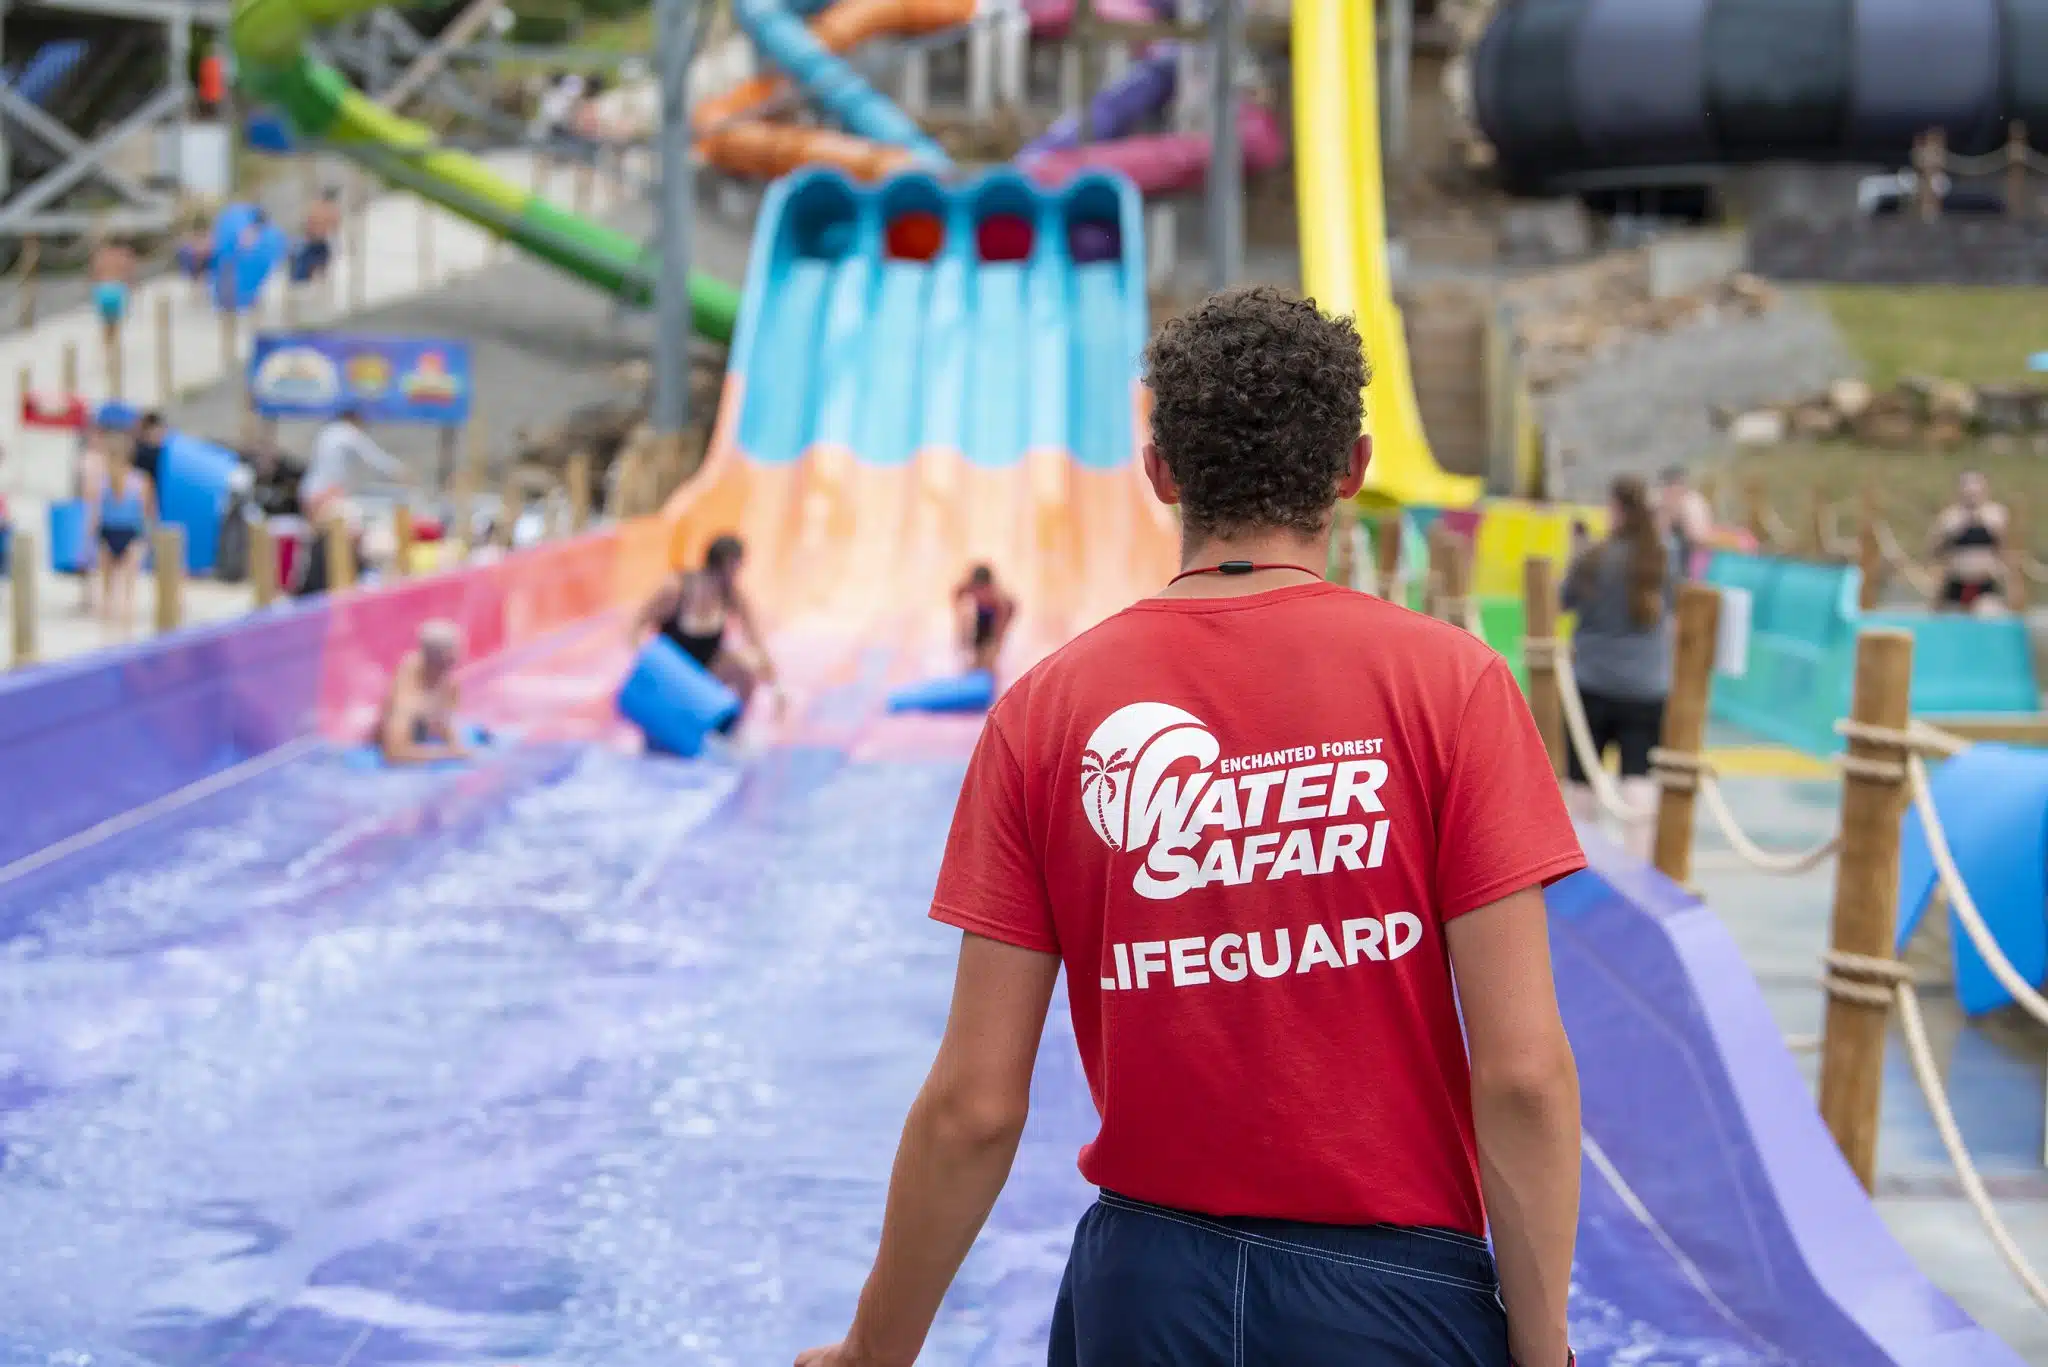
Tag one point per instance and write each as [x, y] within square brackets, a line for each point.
[1904, 565]
[1784, 862]
[1929, 1076]
[1833, 543]
[1580, 731]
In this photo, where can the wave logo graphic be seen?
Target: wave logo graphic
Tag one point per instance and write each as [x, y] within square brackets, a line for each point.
[1125, 790]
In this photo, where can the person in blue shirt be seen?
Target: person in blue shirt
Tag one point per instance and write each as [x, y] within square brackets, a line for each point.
[120, 508]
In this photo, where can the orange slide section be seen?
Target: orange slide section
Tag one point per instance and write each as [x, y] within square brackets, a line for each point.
[847, 558]
[730, 138]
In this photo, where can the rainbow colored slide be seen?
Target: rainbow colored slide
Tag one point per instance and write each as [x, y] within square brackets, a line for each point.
[269, 43]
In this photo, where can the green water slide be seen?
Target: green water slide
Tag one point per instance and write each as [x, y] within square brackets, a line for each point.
[273, 65]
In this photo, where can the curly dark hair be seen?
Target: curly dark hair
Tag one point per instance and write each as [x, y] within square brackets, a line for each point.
[1256, 400]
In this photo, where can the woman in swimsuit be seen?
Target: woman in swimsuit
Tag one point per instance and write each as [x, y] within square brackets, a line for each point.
[1969, 540]
[695, 608]
[120, 505]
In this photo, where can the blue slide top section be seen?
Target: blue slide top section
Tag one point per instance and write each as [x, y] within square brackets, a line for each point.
[1021, 330]
[838, 89]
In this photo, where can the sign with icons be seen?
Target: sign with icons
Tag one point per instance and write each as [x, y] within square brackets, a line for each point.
[316, 375]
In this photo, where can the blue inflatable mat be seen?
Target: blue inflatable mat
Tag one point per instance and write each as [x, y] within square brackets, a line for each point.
[367, 757]
[974, 691]
[1993, 804]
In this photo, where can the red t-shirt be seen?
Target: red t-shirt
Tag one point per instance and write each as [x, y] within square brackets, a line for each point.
[1242, 822]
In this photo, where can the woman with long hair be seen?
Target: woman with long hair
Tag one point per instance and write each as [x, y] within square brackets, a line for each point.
[695, 608]
[1622, 590]
[120, 507]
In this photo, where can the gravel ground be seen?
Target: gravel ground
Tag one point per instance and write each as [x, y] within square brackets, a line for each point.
[543, 344]
[1647, 405]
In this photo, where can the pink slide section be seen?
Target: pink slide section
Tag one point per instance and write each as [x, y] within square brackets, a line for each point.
[1049, 18]
[1165, 163]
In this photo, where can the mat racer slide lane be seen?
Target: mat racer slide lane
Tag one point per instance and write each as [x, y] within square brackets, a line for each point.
[1342, 205]
[269, 36]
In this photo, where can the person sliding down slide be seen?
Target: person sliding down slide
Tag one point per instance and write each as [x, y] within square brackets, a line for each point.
[695, 607]
[418, 725]
[1278, 833]
[986, 612]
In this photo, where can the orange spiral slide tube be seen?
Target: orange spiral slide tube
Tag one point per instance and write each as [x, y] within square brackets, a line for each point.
[732, 141]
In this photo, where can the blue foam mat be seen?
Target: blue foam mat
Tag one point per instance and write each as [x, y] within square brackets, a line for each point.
[1993, 804]
[368, 756]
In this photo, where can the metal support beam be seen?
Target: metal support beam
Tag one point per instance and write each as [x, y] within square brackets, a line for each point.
[85, 159]
[430, 62]
[1397, 61]
[678, 26]
[1226, 150]
[211, 13]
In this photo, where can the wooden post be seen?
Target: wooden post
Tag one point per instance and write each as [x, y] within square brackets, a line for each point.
[1387, 551]
[169, 548]
[402, 541]
[1753, 505]
[166, 370]
[2016, 195]
[2016, 544]
[1457, 580]
[1930, 154]
[1433, 584]
[112, 351]
[1540, 646]
[1874, 796]
[1817, 523]
[341, 555]
[25, 388]
[31, 259]
[1869, 557]
[67, 369]
[23, 564]
[583, 187]
[263, 563]
[577, 477]
[230, 347]
[359, 249]
[426, 229]
[511, 503]
[1685, 725]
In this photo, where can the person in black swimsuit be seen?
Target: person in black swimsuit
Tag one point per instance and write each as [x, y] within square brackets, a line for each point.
[1968, 539]
[695, 608]
[985, 616]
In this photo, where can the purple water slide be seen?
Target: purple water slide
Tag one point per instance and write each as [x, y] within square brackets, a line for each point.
[1119, 106]
[1165, 163]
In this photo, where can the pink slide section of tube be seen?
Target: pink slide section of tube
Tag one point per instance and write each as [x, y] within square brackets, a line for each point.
[1049, 18]
[1165, 163]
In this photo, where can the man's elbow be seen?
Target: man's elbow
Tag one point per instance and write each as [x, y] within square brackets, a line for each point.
[1531, 1080]
[974, 1117]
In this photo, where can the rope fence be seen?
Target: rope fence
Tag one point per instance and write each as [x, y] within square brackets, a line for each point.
[1884, 773]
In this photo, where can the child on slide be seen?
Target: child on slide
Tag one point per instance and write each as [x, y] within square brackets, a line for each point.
[986, 612]
[418, 722]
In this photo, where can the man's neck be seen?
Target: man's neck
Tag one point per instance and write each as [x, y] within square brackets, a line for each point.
[1273, 549]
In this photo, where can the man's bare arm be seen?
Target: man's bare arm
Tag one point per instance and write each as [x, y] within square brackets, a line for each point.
[1525, 1108]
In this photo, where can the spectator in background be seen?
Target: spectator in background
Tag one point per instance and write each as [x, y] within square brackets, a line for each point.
[120, 506]
[1687, 520]
[341, 448]
[1622, 589]
[112, 271]
[195, 255]
[150, 435]
[315, 252]
[1968, 539]
[558, 104]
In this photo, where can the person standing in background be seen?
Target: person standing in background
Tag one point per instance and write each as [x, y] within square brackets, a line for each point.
[1622, 589]
[120, 506]
[1687, 519]
[1968, 539]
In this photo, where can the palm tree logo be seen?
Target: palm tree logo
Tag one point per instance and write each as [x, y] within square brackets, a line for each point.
[1099, 788]
[1119, 765]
